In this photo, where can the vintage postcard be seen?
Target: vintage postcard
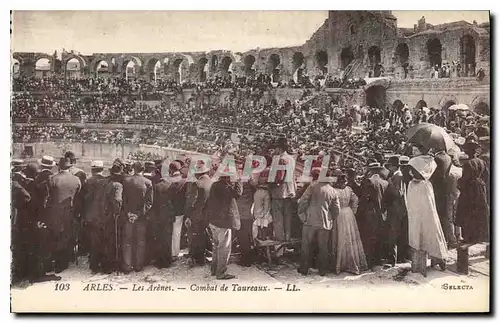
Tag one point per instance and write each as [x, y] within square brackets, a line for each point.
[254, 162]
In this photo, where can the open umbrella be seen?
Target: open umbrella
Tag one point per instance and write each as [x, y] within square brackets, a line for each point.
[460, 106]
[429, 135]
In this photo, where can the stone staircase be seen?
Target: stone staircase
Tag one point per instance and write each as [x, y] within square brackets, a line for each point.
[351, 69]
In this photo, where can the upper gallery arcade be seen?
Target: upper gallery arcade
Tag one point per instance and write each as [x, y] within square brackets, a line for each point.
[361, 43]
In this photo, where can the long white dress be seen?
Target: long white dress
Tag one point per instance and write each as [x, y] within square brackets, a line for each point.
[347, 248]
[424, 228]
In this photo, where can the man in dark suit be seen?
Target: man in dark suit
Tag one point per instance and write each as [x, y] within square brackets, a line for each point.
[79, 238]
[21, 199]
[59, 214]
[112, 209]
[223, 216]
[137, 201]
[197, 196]
[370, 214]
[169, 203]
[397, 217]
[93, 207]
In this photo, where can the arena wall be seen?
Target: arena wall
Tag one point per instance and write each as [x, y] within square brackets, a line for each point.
[91, 151]
[439, 92]
[357, 30]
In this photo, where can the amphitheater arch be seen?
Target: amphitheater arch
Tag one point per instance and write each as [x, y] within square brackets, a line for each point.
[131, 70]
[214, 63]
[434, 52]
[15, 67]
[273, 64]
[447, 101]
[346, 57]
[102, 68]
[97, 62]
[225, 64]
[137, 64]
[73, 68]
[203, 69]
[42, 67]
[322, 61]
[298, 61]
[468, 55]
[153, 67]
[249, 62]
[398, 104]
[420, 104]
[71, 57]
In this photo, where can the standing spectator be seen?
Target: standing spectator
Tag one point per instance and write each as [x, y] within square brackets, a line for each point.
[397, 217]
[59, 214]
[424, 227]
[282, 193]
[473, 211]
[347, 248]
[371, 212]
[197, 196]
[245, 234]
[223, 216]
[319, 206]
[96, 228]
[169, 203]
[137, 201]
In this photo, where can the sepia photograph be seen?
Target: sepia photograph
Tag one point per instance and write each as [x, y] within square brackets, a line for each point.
[333, 161]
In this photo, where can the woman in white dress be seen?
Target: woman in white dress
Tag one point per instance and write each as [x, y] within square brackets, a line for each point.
[347, 248]
[425, 234]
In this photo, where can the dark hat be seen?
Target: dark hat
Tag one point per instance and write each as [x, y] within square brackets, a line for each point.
[71, 156]
[116, 169]
[149, 164]
[64, 163]
[393, 161]
[379, 157]
[471, 141]
[158, 162]
[137, 166]
[31, 170]
[483, 133]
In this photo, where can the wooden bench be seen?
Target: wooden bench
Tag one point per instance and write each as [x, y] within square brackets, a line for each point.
[272, 247]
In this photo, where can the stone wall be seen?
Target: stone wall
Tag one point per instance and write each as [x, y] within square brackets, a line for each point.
[359, 30]
[439, 92]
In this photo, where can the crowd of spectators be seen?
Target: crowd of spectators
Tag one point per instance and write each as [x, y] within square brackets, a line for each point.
[209, 127]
